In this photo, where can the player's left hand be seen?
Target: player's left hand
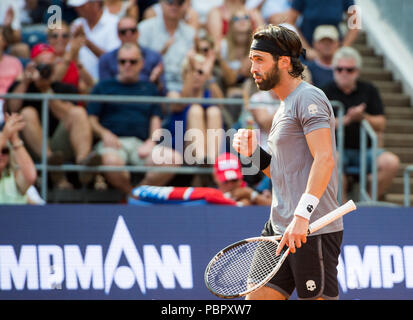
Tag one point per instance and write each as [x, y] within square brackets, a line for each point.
[295, 235]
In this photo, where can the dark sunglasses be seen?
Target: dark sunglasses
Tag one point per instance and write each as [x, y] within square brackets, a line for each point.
[131, 61]
[230, 181]
[58, 35]
[236, 18]
[204, 49]
[122, 32]
[177, 2]
[5, 151]
[349, 70]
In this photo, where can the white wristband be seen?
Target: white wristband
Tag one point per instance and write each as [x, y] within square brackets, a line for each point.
[306, 206]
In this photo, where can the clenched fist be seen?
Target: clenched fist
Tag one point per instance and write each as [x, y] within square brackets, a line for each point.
[245, 142]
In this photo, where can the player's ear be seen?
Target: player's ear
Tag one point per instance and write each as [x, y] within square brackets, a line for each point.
[284, 62]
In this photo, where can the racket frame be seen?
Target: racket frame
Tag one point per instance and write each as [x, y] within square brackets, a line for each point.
[313, 227]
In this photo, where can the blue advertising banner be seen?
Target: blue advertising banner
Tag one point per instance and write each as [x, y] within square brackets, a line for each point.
[160, 252]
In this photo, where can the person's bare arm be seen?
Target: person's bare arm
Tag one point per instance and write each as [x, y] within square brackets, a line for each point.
[319, 143]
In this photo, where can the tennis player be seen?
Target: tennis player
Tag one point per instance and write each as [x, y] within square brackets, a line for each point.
[302, 166]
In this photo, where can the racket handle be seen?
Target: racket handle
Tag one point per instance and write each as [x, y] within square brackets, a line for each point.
[330, 217]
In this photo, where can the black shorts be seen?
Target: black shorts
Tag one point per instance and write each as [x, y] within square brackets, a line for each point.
[312, 269]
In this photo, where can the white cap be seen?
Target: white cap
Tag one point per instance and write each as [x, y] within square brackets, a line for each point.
[325, 31]
[78, 3]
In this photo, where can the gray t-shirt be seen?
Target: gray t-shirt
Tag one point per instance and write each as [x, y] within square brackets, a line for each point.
[304, 110]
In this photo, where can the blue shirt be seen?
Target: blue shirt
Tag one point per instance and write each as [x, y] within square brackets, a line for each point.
[125, 119]
[108, 65]
[319, 12]
[320, 75]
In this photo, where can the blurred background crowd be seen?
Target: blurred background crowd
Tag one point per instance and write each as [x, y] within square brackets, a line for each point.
[167, 48]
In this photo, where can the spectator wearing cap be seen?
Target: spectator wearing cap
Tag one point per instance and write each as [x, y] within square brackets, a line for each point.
[174, 38]
[100, 30]
[326, 43]
[229, 179]
[307, 15]
[69, 130]
[68, 69]
[152, 67]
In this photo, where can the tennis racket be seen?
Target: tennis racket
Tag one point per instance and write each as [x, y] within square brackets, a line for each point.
[247, 265]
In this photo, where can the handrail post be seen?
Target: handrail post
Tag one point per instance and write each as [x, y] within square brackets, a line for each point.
[366, 129]
[45, 134]
[340, 146]
[406, 182]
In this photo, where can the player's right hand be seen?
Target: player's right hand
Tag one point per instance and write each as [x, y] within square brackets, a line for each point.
[245, 142]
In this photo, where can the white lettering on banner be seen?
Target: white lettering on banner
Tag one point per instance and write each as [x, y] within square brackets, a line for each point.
[47, 267]
[18, 271]
[378, 267]
[166, 272]
[50, 266]
[122, 242]
[85, 270]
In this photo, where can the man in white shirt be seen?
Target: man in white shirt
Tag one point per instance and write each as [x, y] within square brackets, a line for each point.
[100, 28]
[174, 38]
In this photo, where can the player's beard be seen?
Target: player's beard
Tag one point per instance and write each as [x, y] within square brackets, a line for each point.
[269, 80]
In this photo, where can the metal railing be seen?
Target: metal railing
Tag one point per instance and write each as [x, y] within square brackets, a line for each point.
[406, 182]
[44, 167]
[367, 130]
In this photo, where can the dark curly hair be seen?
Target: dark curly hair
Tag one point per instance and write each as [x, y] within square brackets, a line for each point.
[287, 41]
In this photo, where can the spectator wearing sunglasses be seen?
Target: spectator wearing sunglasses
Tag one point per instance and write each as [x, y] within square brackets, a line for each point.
[189, 15]
[362, 101]
[68, 68]
[219, 18]
[170, 36]
[326, 43]
[17, 170]
[99, 28]
[69, 129]
[202, 124]
[152, 66]
[128, 132]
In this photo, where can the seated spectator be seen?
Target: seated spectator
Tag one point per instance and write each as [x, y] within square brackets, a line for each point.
[202, 8]
[152, 68]
[235, 50]
[10, 17]
[229, 179]
[219, 18]
[203, 123]
[69, 130]
[221, 72]
[263, 105]
[174, 38]
[17, 170]
[273, 12]
[128, 132]
[68, 69]
[122, 8]
[326, 43]
[10, 69]
[33, 12]
[307, 15]
[100, 30]
[362, 102]
[189, 15]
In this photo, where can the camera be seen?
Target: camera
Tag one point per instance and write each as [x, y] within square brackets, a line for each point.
[45, 70]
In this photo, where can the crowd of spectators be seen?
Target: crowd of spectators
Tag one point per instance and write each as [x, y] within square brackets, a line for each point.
[171, 48]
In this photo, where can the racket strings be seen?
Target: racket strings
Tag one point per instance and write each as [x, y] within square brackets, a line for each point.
[243, 267]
